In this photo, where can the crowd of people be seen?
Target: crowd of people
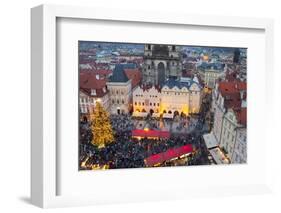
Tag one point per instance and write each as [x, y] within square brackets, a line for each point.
[128, 152]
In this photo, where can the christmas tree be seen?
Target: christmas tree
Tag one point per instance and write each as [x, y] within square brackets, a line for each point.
[101, 127]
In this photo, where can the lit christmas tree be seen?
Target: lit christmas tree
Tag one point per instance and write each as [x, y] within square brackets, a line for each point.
[101, 127]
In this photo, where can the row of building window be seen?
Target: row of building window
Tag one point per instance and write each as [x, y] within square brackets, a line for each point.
[150, 104]
[84, 110]
[118, 101]
[151, 96]
[87, 100]
[117, 92]
[181, 93]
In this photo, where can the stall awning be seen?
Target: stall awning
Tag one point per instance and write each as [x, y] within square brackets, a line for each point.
[167, 115]
[210, 140]
[140, 114]
[218, 156]
[168, 155]
[150, 133]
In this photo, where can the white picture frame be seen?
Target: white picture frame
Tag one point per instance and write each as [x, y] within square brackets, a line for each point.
[44, 92]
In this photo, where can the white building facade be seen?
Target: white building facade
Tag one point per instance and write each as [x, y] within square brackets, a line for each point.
[230, 115]
[176, 97]
[120, 94]
[87, 102]
[240, 148]
[146, 100]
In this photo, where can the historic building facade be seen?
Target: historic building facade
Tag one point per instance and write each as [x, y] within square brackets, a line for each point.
[160, 63]
[240, 149]
[120, 91]
[174, 98]
[230, 119]
[233, 129]
[210, 73]
[146, 100]
[92, 89]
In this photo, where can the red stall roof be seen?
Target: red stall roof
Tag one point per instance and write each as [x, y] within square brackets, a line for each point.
[150, 133]
[168, 155]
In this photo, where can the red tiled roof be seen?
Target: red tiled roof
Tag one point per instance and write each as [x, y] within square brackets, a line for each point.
[241, 116]
[88, 81]
[231, 93]
[134, 75]
[168, 155]
[232, 100]
[97, 72]
[231, 75]
[226, 87]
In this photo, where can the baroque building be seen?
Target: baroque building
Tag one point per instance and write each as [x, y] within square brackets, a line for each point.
[92, 89]
[176, 97]
[230, 118]
[161, 62]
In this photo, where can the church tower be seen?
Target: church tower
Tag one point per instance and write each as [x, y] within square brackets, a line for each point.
[161, 62]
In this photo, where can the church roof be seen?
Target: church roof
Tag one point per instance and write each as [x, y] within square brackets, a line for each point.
[180, 83]
[118, 74]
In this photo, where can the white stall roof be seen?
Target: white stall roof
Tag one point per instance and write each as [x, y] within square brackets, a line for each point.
[210, 140]
[218, 156]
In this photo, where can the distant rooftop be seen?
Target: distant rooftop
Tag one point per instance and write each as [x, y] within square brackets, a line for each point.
[211, 66]
[183, 82]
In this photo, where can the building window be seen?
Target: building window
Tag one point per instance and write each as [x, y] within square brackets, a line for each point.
[174, 48]
[149, 47]
[93, 92]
